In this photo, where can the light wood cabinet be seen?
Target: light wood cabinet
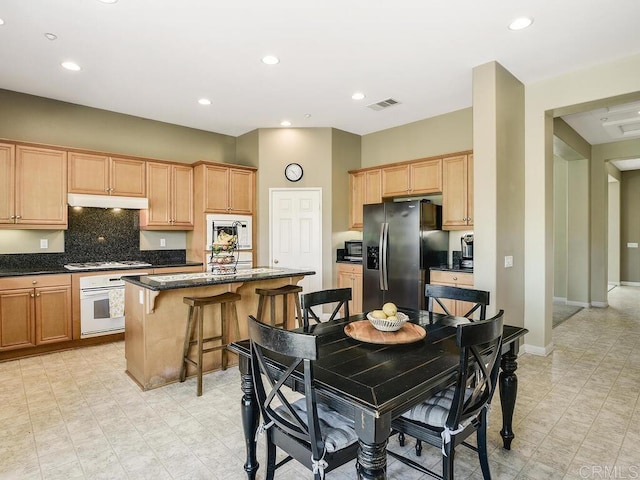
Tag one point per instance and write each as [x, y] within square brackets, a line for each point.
[34, 187]
[415, 178]
[34, 310]
[365, 188]
[104, 175]
[170, 193]
[452, 279]
[229, 190]
[457, 193]
[350, 276]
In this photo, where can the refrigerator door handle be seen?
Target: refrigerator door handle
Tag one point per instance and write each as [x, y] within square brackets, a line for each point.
[384, 243]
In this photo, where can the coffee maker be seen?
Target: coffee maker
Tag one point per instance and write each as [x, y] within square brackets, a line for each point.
[466, 244]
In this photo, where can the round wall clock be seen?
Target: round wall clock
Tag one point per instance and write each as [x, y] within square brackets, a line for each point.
[293, 172]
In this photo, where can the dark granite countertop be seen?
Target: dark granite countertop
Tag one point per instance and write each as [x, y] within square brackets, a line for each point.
[187, 280]
[349, 262]
[53, 270]
[446, 268]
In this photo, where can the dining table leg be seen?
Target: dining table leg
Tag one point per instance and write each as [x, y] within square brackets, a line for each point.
[250, 417]
[372, 461]
[508, 392]
[373, 435]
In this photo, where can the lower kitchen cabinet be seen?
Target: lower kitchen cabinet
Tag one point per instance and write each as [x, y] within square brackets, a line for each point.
[34, 310]
[350, 276]
[452, 279]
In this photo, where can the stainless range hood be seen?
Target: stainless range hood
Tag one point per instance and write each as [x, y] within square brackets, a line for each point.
[107, 201]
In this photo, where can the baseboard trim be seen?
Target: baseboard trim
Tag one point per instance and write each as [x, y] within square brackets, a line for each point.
[630, 284]
[560, 299]
[539, 351]
[578, 304]
[615, 284]
[600, 304]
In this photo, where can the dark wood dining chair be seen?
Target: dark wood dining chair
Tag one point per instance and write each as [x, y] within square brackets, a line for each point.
[450, 416]
[338, 296]
[308, 431]
[434, 294]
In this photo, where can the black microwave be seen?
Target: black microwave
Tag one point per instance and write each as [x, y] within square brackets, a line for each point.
[353, 250]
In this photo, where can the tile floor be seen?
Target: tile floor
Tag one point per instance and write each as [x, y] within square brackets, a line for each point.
[76, 414]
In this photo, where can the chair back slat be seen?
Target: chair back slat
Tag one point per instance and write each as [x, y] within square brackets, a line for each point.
[479, 298]
[480, 345]
[339, 296]
[300, 350]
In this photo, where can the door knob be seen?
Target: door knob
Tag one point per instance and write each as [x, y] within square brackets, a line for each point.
[275, 261]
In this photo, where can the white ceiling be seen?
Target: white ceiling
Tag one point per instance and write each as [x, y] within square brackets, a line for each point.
[156, 58]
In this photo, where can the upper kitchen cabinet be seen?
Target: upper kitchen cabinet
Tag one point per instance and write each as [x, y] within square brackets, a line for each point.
[34, 187]
[457, 193]
[365, 187]
[104, 175]
[414, 178]
[226, 189]
[170, 193]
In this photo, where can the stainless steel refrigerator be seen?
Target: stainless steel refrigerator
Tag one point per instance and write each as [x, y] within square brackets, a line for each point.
[401, 240]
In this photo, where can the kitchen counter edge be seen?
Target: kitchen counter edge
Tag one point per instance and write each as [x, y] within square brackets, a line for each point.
[61, 270]
[146, 281]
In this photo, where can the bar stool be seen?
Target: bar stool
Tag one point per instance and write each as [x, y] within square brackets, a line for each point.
[195, 316]
[271, 294]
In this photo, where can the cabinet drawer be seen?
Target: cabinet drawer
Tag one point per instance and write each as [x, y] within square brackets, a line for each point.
[33, 281]
[346, 268]
[458, 278]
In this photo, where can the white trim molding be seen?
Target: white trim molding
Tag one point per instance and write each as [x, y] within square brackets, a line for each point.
[630, 284]
[578, 304]
[600, 304]
[540, 351]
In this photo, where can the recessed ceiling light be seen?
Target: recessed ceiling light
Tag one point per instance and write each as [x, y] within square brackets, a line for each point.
[520, 23]
[270, 60]
[285, 123]
[108, 1]
[358, 96]
[74, 67]
[307, 115]
[204, 101]
[1, 21]
[51, 36]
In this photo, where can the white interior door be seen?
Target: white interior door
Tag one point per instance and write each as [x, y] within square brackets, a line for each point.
[295, 231]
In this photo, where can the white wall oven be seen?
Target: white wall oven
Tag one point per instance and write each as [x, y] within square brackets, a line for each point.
[102, 304]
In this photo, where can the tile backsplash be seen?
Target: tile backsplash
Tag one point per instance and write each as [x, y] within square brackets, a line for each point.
[96, 234]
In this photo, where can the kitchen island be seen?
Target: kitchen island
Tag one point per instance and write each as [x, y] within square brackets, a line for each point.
[156, 317]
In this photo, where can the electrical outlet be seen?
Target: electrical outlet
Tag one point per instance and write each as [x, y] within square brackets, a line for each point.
[632, 245]
[44, 243]
[163, 242]
[508, 261]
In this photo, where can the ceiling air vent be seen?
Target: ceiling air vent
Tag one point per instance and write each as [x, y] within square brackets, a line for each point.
[381, 105]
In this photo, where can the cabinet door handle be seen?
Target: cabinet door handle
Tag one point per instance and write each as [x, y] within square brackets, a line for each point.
[18, 217]
[37, 294]
[12, 217]
[34, 282]
[32, 295]
[455, 278]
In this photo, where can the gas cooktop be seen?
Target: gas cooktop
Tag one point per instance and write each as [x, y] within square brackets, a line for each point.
[106, 265]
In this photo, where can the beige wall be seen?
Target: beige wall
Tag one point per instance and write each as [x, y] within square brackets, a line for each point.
[630, 226]
[42, 120]
[311, 148]
[613, 238]
[447, 133]
[498, 144]
[578, 254]
[578, 251]
[560, 245]
[573, 90]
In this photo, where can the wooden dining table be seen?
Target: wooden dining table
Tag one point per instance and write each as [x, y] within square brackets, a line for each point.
[377, 382]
